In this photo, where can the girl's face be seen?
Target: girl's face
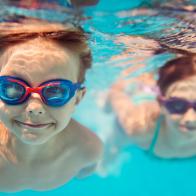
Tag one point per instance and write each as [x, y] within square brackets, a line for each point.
[184, 89]
[36, 63]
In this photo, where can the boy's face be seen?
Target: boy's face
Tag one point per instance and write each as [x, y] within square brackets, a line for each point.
[36, 63]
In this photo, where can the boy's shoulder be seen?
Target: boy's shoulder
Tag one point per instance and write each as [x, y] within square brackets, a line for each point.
[89, 144]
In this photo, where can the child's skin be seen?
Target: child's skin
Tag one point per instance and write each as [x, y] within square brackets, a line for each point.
[177, 133]
[43, 158]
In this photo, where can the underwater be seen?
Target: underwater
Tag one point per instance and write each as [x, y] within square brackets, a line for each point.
[139, 101]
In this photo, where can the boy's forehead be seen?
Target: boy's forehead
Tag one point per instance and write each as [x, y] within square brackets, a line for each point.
[39, 45]
[50, 60]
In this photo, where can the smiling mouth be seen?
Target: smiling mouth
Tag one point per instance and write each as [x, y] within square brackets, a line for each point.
[33, 125]
[189, 128]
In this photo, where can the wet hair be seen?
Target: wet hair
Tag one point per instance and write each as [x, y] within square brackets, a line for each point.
[175, 70]
[67, 36]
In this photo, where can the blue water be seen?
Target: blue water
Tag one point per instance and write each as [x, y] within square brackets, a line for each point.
[141, 174]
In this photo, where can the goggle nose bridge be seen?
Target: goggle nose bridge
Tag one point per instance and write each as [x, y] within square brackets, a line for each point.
[34, 90]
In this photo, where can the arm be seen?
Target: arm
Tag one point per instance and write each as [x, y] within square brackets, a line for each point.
[135, 118]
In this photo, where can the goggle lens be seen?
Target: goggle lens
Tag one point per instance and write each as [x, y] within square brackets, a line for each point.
[57, 92]
[56, 95]
[177, 106]
[11, 91]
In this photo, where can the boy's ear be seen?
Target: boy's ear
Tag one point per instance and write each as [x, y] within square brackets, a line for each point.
[80, 95]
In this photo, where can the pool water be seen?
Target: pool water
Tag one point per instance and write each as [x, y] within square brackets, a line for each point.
[141, 175]
[137, 173]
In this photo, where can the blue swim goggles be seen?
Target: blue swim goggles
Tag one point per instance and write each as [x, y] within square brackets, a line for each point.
[54, 93]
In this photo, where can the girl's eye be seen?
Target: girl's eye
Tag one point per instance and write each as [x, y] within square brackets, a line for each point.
[179, 105]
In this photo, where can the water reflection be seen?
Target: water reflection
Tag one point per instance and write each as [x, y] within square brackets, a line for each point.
[51, 4]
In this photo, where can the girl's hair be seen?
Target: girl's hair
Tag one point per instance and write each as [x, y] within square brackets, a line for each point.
[67, 36]
[176, 69]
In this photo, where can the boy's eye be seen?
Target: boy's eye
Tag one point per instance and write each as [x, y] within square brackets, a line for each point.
[12, 90]
[57, 91]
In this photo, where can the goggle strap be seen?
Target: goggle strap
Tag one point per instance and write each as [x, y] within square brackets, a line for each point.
[79, 86]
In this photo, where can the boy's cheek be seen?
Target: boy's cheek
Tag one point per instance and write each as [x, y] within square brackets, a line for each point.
[65, 111]
[8, 112]
[71, 106]
[3, 110]
[4, 114]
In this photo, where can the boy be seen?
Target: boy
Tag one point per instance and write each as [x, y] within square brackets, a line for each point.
[41, 81]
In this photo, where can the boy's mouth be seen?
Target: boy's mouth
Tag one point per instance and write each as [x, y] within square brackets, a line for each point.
[33, 125]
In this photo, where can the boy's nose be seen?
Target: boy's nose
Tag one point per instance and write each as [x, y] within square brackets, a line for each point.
[36, 110]
[35, 105]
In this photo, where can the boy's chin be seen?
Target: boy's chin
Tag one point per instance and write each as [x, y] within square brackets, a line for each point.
[32, 139]
[30, 135]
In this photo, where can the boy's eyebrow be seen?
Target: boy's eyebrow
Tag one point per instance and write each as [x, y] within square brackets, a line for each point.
[15, 73]
[18, 75]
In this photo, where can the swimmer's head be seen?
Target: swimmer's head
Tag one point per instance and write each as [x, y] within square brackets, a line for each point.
[28, 30]
[177, 84]
[36, 53]
[176, 70]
